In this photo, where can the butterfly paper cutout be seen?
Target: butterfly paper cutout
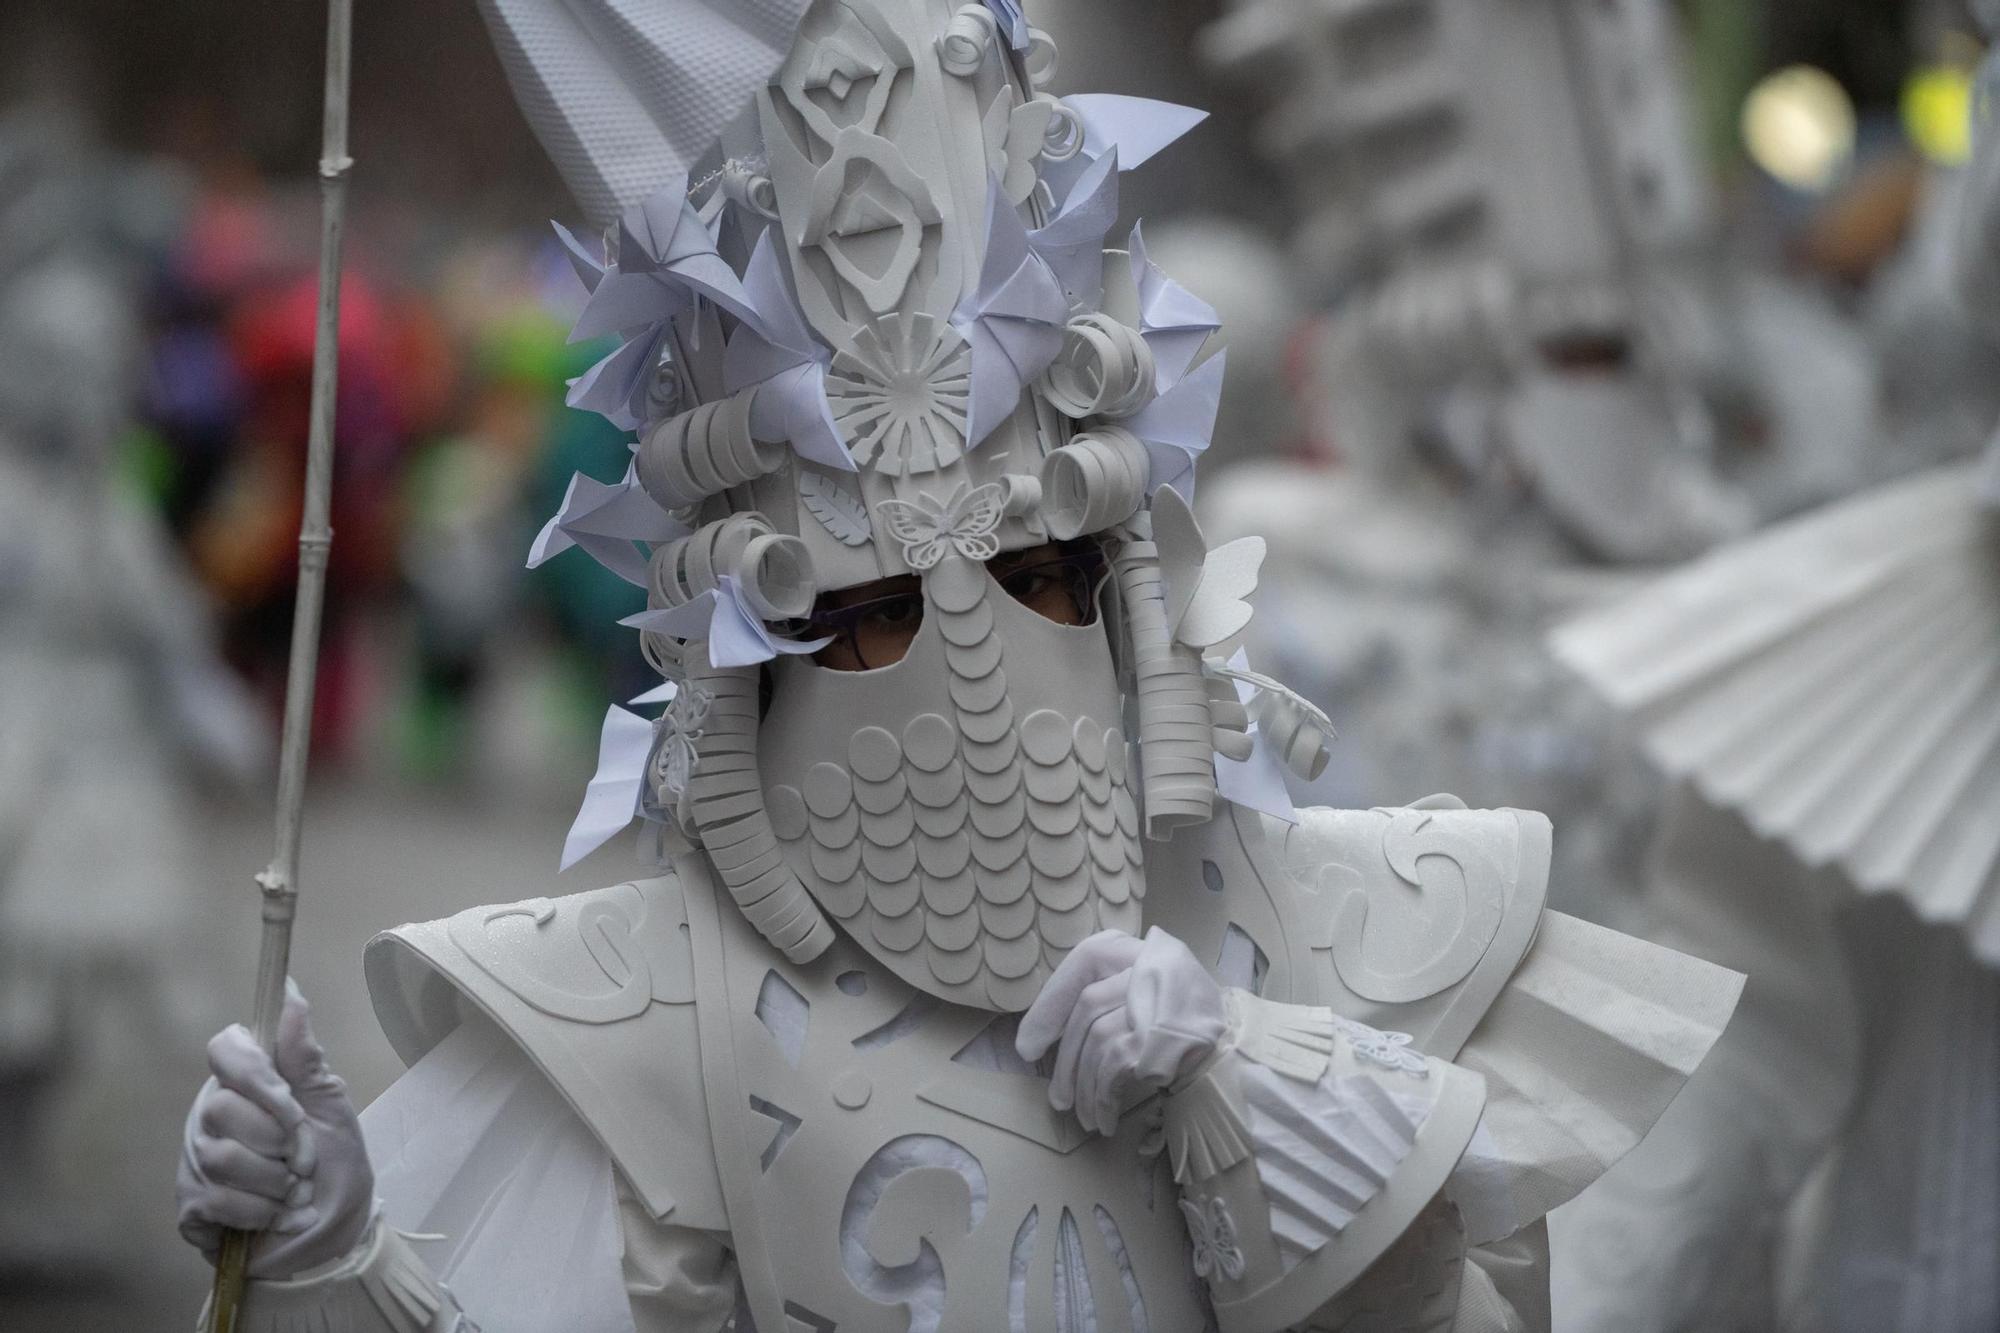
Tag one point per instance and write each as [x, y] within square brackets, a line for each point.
[928, 528]
[1213, 1232]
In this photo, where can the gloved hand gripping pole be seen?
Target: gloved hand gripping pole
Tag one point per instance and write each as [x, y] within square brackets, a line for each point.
[279, 883]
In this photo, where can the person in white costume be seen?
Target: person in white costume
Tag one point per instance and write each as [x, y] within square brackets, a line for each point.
[108, 681]
[978, 990]
[1828, 695]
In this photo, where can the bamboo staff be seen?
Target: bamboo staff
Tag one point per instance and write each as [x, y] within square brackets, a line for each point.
[278, 885]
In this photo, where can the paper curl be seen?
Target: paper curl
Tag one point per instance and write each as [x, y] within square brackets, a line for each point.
[1096, 481]
[774, 571]
[1105, 369]
[1299, 738]
[1176, 725]
[966, 40]
[725, 802]
[704, 451]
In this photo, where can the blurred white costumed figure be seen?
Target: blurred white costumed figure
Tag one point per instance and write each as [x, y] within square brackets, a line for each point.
[1534, 377]
[991, 981]
[102, 663]
[1828, 694]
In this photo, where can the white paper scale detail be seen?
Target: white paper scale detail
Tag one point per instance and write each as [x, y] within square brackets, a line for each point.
[1837, 682]
[991, 844]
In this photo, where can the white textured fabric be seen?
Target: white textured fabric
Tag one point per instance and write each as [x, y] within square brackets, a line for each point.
[1835, 681]
[472, 1144]
[627, 94]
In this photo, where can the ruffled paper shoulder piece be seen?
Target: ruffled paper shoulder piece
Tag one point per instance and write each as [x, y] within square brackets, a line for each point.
[1585, 1046]
[474, 1147]
[591, 989]
[1836, 682]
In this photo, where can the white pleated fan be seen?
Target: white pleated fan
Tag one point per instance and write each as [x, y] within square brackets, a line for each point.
[1835, 680]
[626, 94]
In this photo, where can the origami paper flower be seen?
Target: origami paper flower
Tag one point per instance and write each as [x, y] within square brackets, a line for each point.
[1174, 321]
[662, 267]
[605, 521]
[1072, 242]
[1013, 319]
[788, 365]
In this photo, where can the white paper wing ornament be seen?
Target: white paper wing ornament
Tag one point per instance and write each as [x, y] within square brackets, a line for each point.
[605, 521]
[626, 95]
[1207, 591]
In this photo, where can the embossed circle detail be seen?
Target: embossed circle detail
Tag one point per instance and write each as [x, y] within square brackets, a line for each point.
[828, 790]
[787, 809]
[851, 1089]
[874, 754]
[1090, 745]
[929, 742]
[956, 585]
[1045, 736]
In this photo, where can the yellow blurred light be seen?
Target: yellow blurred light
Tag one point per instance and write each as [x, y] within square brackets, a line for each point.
[1798, 125]
[1937, 113]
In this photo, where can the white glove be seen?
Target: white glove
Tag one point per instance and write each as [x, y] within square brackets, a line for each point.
[1132, 1016]
[275, 1149]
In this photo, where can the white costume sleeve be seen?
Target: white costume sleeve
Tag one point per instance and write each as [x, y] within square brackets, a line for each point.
[484, 1171]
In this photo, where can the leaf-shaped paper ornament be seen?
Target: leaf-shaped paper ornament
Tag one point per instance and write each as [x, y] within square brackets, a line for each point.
[840, 511]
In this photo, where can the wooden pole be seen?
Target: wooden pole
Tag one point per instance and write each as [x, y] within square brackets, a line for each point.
[278, 885]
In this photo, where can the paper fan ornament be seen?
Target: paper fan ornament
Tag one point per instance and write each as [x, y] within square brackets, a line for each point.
[1836, 681]
[626, 94]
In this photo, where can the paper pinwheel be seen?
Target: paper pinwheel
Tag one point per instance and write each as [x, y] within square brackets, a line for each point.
[1072, 242]
[664, 266]
[605, 521]
[735, 636]
[1013, 319]
[1174, 321]
[788, 365]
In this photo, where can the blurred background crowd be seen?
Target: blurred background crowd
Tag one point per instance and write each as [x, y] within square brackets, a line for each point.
[1454, 259]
